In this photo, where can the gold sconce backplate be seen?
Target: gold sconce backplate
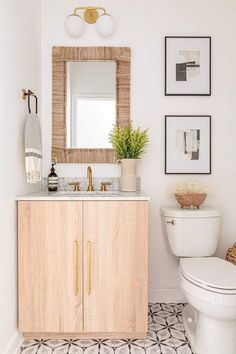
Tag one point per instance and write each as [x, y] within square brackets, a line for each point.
[91, 15]
[23, 94]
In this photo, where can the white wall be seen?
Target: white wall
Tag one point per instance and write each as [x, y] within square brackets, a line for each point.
[20, 68]
[142, 25]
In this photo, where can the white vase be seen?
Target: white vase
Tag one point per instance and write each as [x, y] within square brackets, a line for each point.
[128, 174]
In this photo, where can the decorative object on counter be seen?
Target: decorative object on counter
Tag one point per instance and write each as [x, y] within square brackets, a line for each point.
[187, 144]
[231, 254]
[190, 194]
[53, 179]
[128, 174]
[129, 145]
[104, 22]
[33, 142]
[187, 66]
[190, 201]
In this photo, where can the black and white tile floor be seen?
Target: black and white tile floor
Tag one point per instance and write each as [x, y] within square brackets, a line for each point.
[166, 335]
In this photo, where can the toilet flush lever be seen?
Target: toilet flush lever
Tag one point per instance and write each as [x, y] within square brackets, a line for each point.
[172, 222]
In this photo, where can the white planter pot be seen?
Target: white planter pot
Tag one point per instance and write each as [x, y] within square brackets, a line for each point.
[128, 174]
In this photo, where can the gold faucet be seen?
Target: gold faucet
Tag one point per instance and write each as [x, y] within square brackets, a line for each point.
[90, 178]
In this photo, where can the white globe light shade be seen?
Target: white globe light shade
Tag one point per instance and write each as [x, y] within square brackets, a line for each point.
[105, 25]
[74, 26]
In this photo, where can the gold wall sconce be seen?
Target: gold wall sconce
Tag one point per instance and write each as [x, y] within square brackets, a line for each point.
[75, 23]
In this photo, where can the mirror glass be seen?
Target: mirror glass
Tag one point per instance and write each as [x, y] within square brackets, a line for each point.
[91, 103]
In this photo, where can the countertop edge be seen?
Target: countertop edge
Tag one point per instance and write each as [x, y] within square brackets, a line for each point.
[18, 199]
[44, 196]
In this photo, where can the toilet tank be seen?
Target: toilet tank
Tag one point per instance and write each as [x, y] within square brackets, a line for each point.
[192, 233]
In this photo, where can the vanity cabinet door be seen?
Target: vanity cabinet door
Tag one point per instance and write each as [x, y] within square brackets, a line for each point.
[50, 266]
[115, 266]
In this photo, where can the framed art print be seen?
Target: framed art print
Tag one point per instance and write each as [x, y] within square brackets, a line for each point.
[187, 144]
[187, 66]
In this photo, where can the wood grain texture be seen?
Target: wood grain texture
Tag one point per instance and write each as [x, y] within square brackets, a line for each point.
[46, 234]
[91, 335]
[117, 305]
[118, 232]
[60, 55]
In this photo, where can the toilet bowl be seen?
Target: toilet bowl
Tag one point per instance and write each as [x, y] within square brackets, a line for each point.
[208, 283]
[210, 317]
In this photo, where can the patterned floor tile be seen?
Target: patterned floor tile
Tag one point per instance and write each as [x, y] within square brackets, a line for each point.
[166, 335]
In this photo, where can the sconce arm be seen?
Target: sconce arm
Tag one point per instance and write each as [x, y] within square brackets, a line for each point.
[89, 8]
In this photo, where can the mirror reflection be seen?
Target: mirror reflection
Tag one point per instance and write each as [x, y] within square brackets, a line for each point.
[91, 103]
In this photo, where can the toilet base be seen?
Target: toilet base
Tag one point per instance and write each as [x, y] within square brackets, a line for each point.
[207, 335]
[190, 324]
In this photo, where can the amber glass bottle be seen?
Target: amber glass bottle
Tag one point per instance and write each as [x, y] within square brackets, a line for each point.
[52, 180]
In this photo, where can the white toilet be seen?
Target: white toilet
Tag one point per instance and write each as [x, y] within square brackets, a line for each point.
[209, 283]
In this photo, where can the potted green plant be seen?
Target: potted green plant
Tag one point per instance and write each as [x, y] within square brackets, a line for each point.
[129, 145]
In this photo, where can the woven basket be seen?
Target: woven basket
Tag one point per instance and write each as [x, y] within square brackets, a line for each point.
[231, 254]
[191, 201]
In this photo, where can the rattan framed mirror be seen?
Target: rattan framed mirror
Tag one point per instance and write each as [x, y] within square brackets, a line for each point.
[60, 57]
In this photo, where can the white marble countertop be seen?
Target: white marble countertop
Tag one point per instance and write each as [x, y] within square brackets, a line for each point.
[70, 195]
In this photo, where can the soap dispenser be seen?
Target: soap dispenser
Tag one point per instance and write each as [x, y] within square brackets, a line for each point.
[52, 179]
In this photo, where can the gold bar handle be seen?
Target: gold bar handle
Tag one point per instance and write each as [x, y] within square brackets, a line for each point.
[75, 261]
[89, 267]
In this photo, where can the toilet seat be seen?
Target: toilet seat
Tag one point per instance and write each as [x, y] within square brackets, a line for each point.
[210, 273]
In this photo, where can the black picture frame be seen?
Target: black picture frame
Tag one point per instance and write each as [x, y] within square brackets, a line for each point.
[210, 58]
[209, 169]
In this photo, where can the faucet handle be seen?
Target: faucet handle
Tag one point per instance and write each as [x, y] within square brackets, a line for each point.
[76, 186]
[104, 186]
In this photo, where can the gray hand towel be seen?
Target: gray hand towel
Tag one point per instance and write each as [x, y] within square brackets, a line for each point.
[33, 149]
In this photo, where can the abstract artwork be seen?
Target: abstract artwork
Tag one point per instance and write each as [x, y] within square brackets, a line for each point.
[187, 144]
[187, 66]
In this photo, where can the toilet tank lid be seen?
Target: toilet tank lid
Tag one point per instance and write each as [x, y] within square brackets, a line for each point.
[204, 212]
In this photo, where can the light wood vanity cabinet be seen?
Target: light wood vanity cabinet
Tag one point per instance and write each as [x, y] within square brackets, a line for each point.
[83, 268]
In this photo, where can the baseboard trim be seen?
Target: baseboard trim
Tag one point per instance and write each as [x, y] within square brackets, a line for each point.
[14, 344]
[173, 295]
